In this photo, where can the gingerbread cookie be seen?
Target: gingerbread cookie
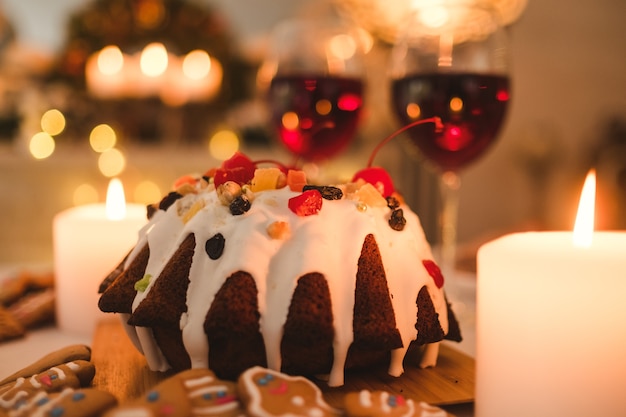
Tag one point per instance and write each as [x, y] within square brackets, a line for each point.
[58, 357]
[267, 393]
[10, 328]
[73, 374]
[193, 392]
[382, 403]
[69, 402]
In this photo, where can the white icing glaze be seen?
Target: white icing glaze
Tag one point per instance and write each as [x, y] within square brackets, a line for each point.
[431, 411]
[192, 383]
[329, 243]
[365, 398]
[207, 390]
[73, 366]
[384, 402]
[33, 382]
[59, 372]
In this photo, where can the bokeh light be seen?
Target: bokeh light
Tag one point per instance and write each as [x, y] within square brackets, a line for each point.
[110, 60]
[112, 162]
[147, 192]
[197, 64]
[53, 122]
[223, 144]
[41, 145]
[85, 194]
[290, 120]
[102, 138]
[154, 60]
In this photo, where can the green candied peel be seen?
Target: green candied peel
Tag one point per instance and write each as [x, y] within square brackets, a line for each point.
[143, 283]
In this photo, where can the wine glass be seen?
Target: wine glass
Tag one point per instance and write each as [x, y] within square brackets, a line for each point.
[315, 93]
[451, 61]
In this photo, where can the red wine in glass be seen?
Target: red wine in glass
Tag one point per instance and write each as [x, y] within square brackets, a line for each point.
[315, 116]
[471, 107]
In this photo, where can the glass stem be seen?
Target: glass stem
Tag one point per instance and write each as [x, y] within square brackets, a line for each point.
[450, 190]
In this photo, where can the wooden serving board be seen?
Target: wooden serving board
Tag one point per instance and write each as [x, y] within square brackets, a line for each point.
[122, 370]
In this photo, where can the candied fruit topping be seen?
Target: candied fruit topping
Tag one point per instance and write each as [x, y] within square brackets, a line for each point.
[214, 247]
[278, 230]
[266, 179]
[296, 180]
[143, 283]
[397, 220]
[434, 272]
[185, 179]
[193, 210]
[240, 205]
[307, 203]
[327, 192]
[370, 196]
[378, 177]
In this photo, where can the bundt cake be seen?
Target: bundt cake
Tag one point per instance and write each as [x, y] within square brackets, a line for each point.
[249, 266]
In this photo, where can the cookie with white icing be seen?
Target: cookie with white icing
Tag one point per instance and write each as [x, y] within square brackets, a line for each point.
[58, 357]
[385, 404]
[69, 402]
[74, 374]
[193, 392]
[267, 393]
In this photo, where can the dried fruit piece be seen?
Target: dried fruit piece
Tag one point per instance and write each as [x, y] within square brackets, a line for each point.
[185, 179]
[228, 191]
[238, 168]
[278, 230]
[193, 210]
[370, 196]
[434, 272]
[392, 202]
[296, 180]
[168, 200]
[306, 204]
[143, 283]
[378, 177]
[214, 247]
[265, 179]
[397, 220]
[240, 205]
[328, 192]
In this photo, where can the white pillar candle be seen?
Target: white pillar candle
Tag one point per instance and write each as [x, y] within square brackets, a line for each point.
[87, 246]
[551, 326]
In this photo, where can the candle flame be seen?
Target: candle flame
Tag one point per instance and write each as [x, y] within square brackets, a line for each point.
[116, 201]
[583, 227]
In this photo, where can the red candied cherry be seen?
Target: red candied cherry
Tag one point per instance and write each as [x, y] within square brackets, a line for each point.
[238, 168]
[377, 176]
[434, 272]
[306, 204]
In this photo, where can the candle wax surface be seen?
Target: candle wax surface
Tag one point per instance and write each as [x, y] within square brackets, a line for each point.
[87, 247]
[551, 326]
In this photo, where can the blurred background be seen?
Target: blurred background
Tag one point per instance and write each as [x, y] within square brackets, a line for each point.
[65, 128]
